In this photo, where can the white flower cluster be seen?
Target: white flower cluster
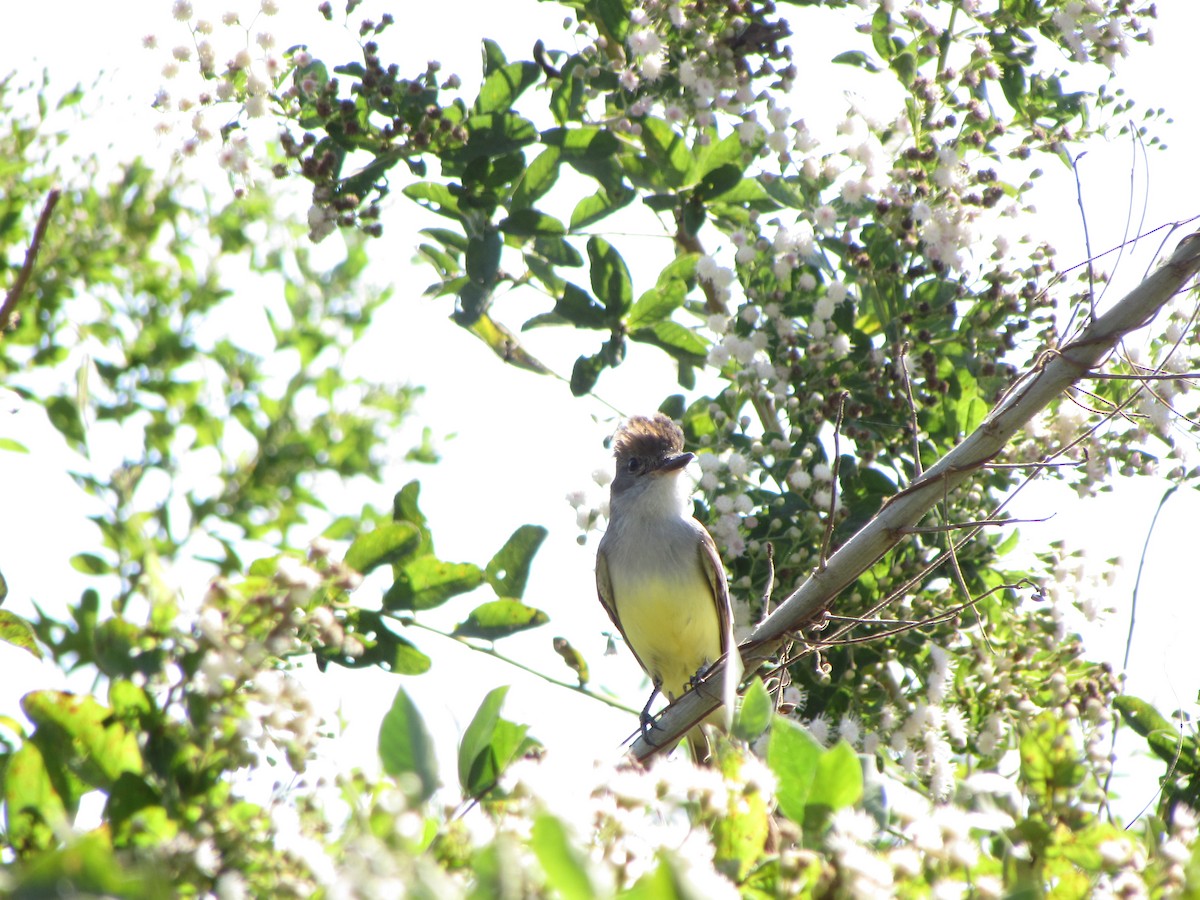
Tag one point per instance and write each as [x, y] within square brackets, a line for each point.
[243, 60]
[630, 817]
[1089, 34]
[241, 670]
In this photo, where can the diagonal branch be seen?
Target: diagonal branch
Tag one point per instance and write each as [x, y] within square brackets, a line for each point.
[1048, 378]
[9, 306]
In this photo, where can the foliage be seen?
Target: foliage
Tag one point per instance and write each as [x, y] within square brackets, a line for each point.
[834, 326]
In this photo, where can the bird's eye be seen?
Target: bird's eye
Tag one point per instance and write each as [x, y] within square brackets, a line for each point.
[634, 465]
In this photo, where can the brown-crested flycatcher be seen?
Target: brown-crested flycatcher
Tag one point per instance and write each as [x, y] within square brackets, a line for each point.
[657, 569]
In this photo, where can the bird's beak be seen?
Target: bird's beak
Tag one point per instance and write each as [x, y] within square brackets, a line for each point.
[674, 463]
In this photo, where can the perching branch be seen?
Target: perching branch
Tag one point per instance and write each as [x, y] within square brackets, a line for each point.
[39, 232]
[1048, 378]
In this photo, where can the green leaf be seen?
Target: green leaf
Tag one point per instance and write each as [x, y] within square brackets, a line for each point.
[1050, 762]
[503, 85]
[585, 373]
[792, 754]
[483, 256]
[98, 745]
[435, 197]
[90, 564]
[406, 749]
[529, 222]
[427, 582]
[1012, 83]
[857, 58]
[64, 416]
[579, 308]
[540, 176]
[489, 745]
[382, 647]
[656, 304]
[755, 713]
[718, 182]
[557, 251]
[508, 571]
[594, 207]
[406, 508]
[34, 810]
[839, 779]
[388, 543]
[18, 632]
[667, 159]
[610, 277]
[493, 134]
[12, 446]
[566, 872]
[614, 16]
[729, 151]
[505, 344]
[500, 618]
[678, 341]
[585, 142]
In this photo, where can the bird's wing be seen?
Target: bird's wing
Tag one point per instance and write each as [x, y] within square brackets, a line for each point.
[715, 571]
[605, 591]
[711, 561]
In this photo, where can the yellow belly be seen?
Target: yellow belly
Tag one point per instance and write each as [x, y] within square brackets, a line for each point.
[671, 624]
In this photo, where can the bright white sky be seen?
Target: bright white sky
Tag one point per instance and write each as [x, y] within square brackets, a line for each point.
[514, 444]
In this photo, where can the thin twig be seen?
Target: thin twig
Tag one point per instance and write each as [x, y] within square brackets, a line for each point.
[39, 232]
[827, 537]
[769, 588]
[912, 409]
[974, 523]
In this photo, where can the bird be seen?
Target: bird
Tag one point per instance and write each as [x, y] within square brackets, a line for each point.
[658, 573]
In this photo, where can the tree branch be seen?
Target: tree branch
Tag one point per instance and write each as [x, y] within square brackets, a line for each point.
[39, 232]
[1048, 378]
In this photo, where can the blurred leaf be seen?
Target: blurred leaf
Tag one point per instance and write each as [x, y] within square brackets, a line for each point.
[500, 618]
[406, 749]
[1050, 762]
[90, 564]
[565, 868]
[839, 778]
[34, 811]
[64, 416]
[18, 632]
[102, 746]
[754, 714]
[427, 582]
[857, 58]
[386, 543]
[12, 446]
[508, 570]
[793, 755]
